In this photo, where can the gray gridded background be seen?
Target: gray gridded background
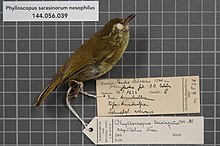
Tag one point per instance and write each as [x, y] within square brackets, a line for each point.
[168, 38]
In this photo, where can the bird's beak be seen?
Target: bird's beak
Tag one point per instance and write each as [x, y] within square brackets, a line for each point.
[128, 19]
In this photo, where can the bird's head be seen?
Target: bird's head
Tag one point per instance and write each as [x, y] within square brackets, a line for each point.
[117, 27]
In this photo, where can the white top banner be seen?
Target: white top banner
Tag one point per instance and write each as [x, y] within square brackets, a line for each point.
[51, 11]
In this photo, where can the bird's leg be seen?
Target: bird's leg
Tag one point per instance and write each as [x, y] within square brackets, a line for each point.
[75, 88]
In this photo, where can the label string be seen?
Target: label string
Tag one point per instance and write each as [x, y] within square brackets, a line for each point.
[74, 112]
[71, 108]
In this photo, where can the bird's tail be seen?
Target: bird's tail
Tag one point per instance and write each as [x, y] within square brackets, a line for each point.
[47, 90]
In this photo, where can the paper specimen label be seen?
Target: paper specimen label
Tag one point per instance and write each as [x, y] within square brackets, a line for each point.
[50, 10]
[148, 96]
[146, 130]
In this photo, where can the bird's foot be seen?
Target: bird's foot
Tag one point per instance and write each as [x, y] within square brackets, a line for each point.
[77, 87]
[74, 89]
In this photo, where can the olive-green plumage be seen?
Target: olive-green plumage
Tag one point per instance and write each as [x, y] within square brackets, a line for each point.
[95, 57]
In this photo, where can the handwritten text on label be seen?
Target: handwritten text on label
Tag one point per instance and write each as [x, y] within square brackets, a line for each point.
[145, 96]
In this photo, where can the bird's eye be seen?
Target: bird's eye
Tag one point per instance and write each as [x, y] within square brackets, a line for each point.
[119, 26]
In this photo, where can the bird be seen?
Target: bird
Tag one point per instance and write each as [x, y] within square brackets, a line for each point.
[93, 58]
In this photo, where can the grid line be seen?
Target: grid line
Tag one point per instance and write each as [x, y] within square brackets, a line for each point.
[154, 11]
[202, 48]
[77, 39]
[215, 95]
[175, 37]
[85, 118]
[56, 70]
[3, 85]
[188, 47]
[162, 47]
[43, 78]
[101, 25]
[16, 33]
[148, 47]
[82, 108]
[69, 110]
[135, 43]
[29, 77]
[122, 58]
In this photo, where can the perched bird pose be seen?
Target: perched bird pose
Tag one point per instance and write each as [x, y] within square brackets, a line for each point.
[93, 59]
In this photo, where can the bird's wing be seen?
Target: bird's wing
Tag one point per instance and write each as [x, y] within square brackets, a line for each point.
[91, 52]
